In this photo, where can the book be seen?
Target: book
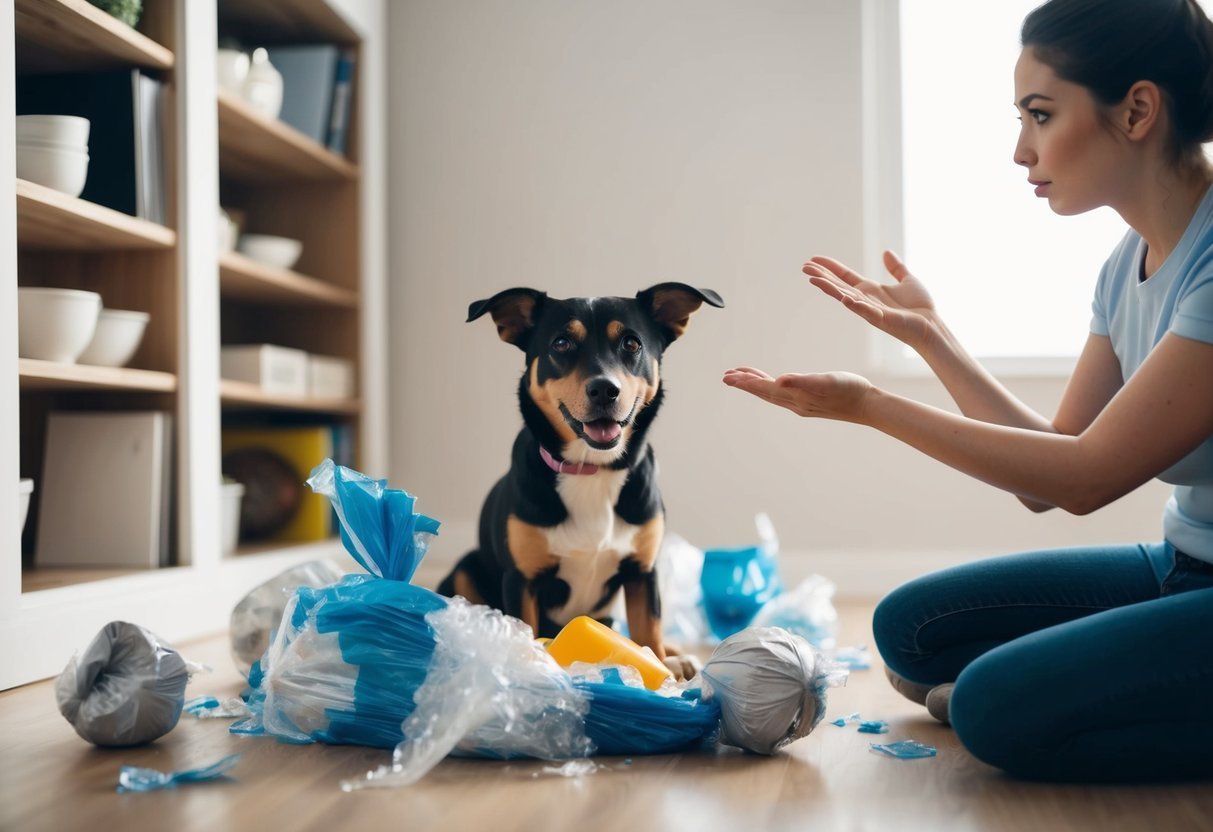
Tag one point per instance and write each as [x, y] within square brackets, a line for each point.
[106, 490]
[273, 464]
[125, 146]
[308, 74]
[336, 139]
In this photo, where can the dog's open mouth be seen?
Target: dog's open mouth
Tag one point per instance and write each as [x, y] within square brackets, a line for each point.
[599, 434]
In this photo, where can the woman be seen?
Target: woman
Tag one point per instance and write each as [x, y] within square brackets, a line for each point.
[1090, 664]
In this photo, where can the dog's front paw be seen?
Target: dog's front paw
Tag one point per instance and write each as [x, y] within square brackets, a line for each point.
[683, 667]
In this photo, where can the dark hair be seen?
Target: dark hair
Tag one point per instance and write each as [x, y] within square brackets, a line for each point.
[1109, 45]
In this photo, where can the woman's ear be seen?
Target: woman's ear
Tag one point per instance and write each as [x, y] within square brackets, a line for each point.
[1140, 110]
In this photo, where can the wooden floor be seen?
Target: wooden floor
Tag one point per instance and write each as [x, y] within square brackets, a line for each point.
[51, 779]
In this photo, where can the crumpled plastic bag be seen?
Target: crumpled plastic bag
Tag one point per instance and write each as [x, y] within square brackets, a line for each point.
[806, 611]
[257, 614]
[771, 686]
[126, 688]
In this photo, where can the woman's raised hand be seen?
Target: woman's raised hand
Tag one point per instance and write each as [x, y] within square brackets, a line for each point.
[903, 309]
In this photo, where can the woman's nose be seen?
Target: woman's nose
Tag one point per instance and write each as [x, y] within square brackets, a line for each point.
[1024, 155]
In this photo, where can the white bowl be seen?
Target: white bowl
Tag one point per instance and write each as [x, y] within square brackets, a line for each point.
[62, 169]
[51, 144]
[72, 130]
[118, 334]
[55, 324]
[282, 252]
[24, 489]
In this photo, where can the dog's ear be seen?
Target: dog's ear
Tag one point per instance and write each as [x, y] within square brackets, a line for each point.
[672, 304]
[514, 311]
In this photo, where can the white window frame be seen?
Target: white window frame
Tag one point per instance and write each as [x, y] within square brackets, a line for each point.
[884, 198]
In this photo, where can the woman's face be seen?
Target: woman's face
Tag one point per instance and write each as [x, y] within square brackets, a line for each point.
[1071, 155]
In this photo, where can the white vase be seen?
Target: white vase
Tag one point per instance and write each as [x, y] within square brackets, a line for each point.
[263, 85]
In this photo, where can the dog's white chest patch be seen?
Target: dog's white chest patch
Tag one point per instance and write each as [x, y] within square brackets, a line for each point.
[591, 542]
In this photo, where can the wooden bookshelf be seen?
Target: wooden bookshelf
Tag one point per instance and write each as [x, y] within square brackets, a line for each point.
[51, 220]
[52, 375]
[74, 36]
[245, 279]
[257, 150]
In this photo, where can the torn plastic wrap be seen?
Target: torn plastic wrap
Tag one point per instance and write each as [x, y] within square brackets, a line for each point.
[377, 661]
[126, 688]
[257, 614]
[807, 611]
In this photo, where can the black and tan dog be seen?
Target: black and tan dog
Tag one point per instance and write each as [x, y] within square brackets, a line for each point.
[578, 516]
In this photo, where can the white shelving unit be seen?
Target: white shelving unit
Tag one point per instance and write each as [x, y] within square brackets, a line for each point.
[47, 615]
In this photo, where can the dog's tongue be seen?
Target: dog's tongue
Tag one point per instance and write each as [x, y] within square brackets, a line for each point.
[603, 430]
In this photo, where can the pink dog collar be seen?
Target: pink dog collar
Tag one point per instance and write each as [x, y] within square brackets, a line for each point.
[563, 466]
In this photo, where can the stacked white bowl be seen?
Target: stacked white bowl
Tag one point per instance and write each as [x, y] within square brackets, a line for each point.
[53, 151]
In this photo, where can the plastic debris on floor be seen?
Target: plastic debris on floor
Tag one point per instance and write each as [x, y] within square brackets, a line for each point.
[135, 779]
[374, 660]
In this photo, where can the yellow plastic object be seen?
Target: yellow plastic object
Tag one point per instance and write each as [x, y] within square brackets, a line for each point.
[585, 640]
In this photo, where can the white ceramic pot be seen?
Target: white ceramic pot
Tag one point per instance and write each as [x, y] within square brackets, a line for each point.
[55, 166]
[281, 252]
[118, 334]
[55, 324]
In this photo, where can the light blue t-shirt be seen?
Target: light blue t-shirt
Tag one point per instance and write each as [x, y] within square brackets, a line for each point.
[1135, 315]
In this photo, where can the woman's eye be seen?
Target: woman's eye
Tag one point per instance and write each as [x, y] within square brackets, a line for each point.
[1038, 116]
[561, 344]
[631, 344]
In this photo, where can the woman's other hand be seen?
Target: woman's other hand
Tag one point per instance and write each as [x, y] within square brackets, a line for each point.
[840, 396]
[903, 309]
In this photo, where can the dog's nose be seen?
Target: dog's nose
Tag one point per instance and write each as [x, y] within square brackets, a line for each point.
[602, 391]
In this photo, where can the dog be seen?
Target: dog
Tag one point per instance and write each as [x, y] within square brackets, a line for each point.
[578, 516]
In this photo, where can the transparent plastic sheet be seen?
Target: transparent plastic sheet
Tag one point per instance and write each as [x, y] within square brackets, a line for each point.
[491, 690]
[126, 688]
[679, 565]
[257, 614]
[771, 685]
[807, 611]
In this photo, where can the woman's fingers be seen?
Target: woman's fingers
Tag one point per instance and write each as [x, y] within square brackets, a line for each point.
[895, 267]
[840, 270]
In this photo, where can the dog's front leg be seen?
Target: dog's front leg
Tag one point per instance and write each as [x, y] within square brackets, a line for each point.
[532, 557]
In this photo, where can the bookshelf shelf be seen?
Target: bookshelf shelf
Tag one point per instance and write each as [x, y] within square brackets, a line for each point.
[49, 219]
[254, 149]
[242, 278]
[74, 35]
[240, 394]
[51, 375]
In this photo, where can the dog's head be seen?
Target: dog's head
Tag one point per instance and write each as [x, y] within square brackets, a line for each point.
[593, 365]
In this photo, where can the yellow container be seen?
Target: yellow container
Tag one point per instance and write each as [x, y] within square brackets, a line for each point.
[585, 640]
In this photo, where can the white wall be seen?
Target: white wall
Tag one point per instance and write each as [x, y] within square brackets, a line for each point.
[582, 147]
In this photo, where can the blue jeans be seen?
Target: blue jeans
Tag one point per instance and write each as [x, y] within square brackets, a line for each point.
[1090, 664]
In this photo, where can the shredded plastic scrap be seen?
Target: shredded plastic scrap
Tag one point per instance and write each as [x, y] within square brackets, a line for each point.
[903, 750]
[874, 726]
[135, 779]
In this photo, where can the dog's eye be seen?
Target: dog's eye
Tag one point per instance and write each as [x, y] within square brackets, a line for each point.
[561, 344]
[631, 344]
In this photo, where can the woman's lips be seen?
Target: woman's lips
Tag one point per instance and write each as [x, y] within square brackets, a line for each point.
[1041, 187]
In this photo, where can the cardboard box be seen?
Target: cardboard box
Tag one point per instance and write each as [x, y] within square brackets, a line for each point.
[330, 378]
[281, 371]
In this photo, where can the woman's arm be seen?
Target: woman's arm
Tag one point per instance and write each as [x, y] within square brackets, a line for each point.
[1159, 416]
